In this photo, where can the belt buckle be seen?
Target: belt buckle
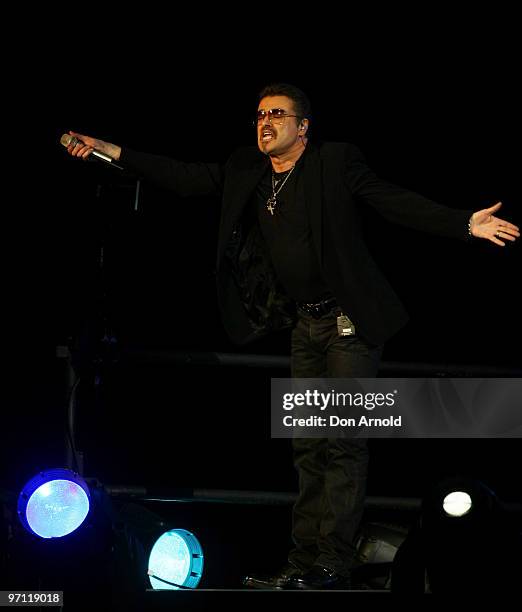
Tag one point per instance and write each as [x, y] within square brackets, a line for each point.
[316, 310]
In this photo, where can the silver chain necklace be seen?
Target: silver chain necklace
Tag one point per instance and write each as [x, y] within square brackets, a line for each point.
[272, 200]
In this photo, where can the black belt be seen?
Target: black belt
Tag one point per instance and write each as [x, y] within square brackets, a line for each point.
[318, 309]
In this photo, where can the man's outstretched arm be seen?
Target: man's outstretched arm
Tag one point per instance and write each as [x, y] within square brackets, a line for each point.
[185, 179]
[413, 210]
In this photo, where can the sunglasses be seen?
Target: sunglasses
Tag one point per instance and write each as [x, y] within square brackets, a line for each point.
[275, 115]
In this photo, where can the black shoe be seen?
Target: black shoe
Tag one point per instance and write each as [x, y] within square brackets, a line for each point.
[318, 577]
[278, 581]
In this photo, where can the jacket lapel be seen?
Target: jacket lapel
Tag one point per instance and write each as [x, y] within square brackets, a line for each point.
[243, 187]
[237, 194]
[312, 167]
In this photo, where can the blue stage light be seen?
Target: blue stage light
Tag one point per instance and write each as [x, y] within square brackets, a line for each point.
[54, 503]
[176, 561]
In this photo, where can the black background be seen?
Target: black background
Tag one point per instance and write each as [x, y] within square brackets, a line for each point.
[436, 113]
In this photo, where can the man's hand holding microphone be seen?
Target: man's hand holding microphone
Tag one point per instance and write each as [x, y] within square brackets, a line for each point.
[86, 147]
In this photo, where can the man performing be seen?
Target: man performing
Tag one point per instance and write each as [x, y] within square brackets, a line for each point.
[291, 254]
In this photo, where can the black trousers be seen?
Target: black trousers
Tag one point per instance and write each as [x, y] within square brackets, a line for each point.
[332, 471]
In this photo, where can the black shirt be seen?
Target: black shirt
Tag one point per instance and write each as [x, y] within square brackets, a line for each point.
[288, 235]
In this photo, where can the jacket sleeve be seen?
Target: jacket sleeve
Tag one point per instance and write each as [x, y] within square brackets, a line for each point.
[185, 179]
[400, 205]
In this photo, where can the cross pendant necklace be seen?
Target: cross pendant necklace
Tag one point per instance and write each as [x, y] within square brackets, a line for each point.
[272, 200]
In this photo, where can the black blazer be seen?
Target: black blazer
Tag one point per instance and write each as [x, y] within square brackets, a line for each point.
[336, 180]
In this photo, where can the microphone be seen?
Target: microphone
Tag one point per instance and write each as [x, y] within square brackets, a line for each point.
[68, 139]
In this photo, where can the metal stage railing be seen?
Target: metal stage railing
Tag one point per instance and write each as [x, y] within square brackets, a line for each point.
[202, 358]
[211, 358]
[223, 496]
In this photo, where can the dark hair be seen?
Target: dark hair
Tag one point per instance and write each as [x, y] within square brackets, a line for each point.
[301, 102]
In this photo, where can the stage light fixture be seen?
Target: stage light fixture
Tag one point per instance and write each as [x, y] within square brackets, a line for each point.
[54, 503]
[457, 503]
[163, 555]
[465, 541]
[466, 499]
[176, 561]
